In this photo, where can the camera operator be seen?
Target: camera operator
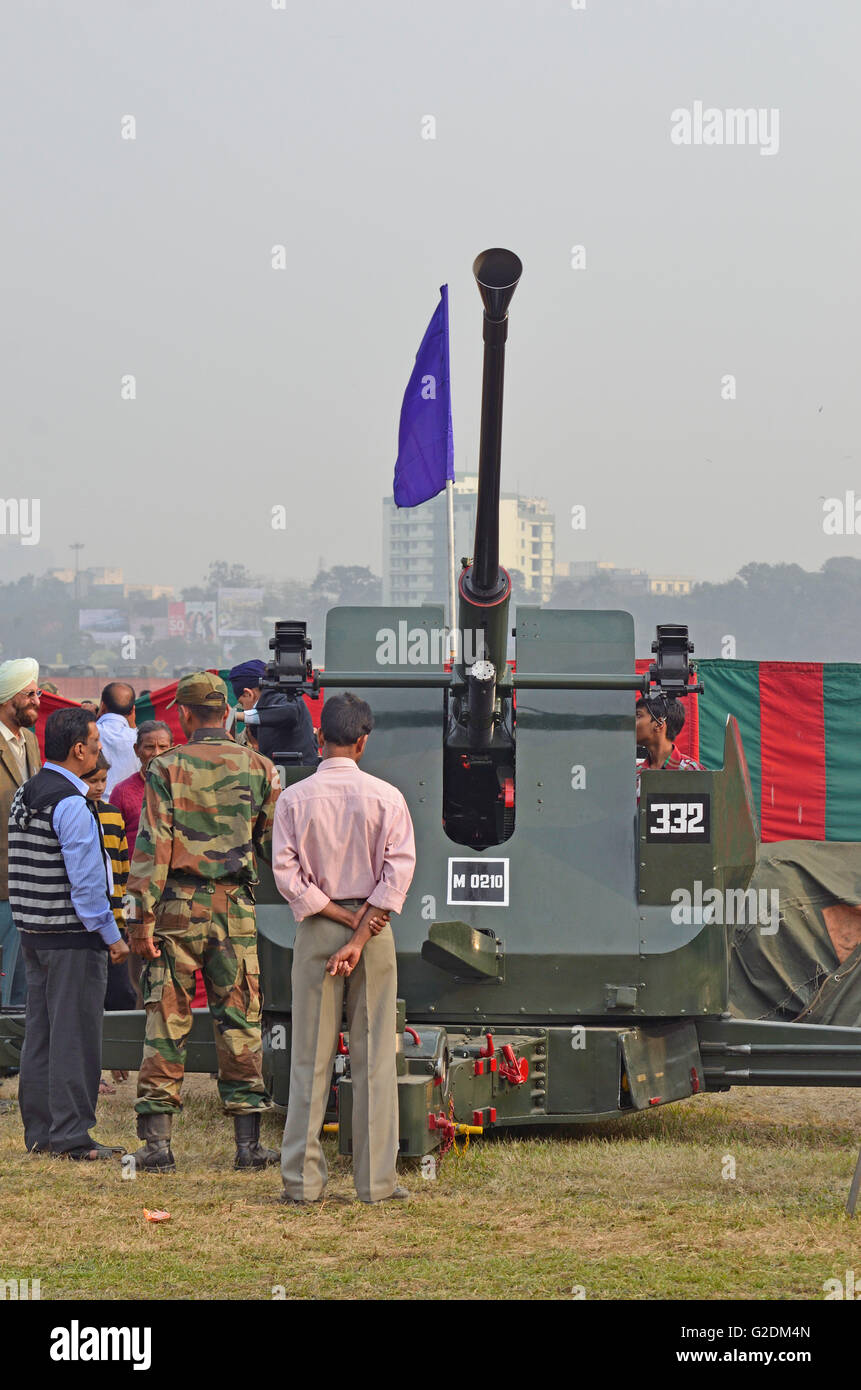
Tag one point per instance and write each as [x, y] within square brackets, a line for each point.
[280, 719]
[282, 722]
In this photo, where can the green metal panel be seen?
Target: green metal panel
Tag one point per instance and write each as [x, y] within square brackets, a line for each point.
[123, 1038]
[357, 639]
[276, 933]
[579, 842]
[661, 1064]
[478, 1083]
[583, 1070]
[727, 858]
[11, 1038]
[666, 866]
[416, 1102]
[276, 1056]
[463, 952]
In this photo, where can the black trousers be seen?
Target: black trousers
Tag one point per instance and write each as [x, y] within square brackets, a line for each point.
[62, 1053]
[120, 993]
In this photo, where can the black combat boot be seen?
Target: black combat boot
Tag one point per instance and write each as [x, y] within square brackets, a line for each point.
[250, 1153]
[156, 1155]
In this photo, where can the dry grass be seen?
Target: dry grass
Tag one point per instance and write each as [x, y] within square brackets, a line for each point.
[634, 1209]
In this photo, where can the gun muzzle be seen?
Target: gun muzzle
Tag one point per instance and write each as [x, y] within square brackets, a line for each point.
[481, 685]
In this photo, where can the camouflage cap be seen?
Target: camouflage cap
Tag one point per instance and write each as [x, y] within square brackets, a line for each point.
[201, 688]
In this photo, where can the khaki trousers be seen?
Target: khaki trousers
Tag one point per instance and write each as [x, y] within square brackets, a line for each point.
[318, 1001]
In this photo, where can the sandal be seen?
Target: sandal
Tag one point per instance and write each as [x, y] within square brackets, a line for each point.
[89, 1153]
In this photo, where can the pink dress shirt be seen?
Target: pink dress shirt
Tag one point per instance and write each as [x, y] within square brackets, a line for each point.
[128, 798]
[341, 833]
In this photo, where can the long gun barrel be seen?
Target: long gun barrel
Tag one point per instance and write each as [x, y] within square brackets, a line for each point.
[478, 769]
[485, 587]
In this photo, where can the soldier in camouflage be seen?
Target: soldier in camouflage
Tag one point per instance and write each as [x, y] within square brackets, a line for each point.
[208, 807]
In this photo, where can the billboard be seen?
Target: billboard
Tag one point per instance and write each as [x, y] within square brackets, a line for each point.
[176, 619]
[103, 624]
[240, 612]
[200, 621]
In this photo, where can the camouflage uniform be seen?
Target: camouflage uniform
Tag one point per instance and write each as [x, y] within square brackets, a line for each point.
[208, 806]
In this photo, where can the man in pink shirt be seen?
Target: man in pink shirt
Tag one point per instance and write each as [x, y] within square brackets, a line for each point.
[153, 737]
[343, 855]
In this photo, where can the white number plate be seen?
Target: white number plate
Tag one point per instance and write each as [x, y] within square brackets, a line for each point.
[678, 820]
[478, 882]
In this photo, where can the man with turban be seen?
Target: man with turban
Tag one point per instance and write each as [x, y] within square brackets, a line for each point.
[245, 679]
[19, 761]
[280, 719]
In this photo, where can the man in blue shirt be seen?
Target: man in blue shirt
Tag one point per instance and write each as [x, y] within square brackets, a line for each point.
[60, 885]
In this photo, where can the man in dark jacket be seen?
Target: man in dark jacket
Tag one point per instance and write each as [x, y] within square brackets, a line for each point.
[60, 887]
[282, 722]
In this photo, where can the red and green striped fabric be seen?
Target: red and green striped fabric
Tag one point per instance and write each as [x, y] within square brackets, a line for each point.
[155, 706]
[801, 729]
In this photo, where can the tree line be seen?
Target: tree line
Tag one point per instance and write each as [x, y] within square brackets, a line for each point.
[766, 612]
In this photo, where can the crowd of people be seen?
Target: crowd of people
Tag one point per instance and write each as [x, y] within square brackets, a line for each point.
[128, 871]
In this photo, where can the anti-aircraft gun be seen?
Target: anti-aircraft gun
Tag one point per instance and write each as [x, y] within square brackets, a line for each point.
[550, 969]
[563, 952]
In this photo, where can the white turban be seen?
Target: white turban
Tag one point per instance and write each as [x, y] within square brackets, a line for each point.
[14, 675]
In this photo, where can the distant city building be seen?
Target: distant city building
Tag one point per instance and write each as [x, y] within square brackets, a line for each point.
[580, 571]
[148, 591]
[415, 543]
[107, 581]
[669, 584]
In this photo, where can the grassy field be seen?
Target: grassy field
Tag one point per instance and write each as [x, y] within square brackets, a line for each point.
[638, 1209]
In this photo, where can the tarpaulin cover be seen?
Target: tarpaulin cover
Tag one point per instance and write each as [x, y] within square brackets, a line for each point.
[808, 970]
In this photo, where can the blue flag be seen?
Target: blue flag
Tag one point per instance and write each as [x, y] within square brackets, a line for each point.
[425, 442]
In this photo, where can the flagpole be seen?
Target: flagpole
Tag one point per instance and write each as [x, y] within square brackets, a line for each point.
[452, 584]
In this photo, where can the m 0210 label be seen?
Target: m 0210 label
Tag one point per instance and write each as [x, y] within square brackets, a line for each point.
[478, 882]
[678, 820]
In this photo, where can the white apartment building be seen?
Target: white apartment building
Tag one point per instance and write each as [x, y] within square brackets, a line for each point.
[415, 544]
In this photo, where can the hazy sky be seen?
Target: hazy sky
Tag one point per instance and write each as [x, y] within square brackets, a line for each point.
[258, 126]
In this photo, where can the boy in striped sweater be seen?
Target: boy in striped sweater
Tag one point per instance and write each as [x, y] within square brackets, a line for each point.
[120, 992]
